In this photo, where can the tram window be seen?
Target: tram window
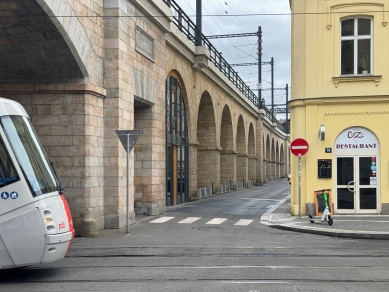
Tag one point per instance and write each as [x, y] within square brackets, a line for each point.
[31, 158]
[7, 170]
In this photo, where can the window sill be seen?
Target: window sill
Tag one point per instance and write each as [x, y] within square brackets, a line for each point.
[357, 78]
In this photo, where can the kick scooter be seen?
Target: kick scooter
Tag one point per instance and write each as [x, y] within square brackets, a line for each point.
[326, 217]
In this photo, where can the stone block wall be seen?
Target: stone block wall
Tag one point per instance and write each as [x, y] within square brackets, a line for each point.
[70, 128]
[252, 171]
[227, 168]
[242, 168]
[124, 59]
[148, 86]
[208, 167]
[89, 15]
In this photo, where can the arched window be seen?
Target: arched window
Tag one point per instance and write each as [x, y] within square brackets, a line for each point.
[176, 145]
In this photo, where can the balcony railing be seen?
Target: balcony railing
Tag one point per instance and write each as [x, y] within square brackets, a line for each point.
[188, 28]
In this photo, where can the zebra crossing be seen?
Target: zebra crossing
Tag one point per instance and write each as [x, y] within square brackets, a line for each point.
[190, 220]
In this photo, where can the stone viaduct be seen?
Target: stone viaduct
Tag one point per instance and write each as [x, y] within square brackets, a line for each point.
[85, 68]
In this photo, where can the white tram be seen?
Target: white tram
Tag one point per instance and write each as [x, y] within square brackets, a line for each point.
[35, 221]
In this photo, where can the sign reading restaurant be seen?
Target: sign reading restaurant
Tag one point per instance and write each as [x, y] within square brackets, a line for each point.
[356, 139]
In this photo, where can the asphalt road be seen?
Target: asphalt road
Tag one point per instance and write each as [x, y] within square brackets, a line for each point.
[211, 245]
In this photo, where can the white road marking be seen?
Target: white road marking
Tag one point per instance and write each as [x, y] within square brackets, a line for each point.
[161, 220]
[252, 199]
[216, 221]
[243, 222]
[189, 220]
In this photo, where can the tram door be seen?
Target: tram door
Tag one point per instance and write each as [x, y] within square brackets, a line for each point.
[356, 184]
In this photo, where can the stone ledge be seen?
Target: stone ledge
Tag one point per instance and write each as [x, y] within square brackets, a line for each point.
[55, 88]
[357, 78]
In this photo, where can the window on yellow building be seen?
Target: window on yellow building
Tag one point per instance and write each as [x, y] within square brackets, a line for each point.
[356, 46]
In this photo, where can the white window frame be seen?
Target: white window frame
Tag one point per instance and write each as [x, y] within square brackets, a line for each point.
[355, 38]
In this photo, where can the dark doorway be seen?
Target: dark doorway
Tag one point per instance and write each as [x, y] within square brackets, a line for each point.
[176, 145]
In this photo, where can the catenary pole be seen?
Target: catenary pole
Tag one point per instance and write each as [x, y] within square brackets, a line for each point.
[259, 67]
[198, 24]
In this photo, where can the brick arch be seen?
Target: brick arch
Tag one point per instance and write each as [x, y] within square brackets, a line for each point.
[227, 157]
[268, 158]
[61, 51]
[226, 131]
[273, 159]
[277, 162]
[206, 122]
[241, 136]
[208, 162]
[252, 169]
[251, 140]
[241, 149]
[282, 161]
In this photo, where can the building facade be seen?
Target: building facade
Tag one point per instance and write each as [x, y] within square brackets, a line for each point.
[340, 103]
[84, 69]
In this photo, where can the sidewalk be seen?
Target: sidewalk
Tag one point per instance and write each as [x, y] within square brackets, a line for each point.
[345, 226]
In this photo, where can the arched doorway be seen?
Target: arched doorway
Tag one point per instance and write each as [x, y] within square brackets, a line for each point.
[176, 145]
[356, 167]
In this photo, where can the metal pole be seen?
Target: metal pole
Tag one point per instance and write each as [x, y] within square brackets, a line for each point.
[272, 89]
[299, 172]
[198, 24]
[127, 181]
[286, 110]
[259, 67]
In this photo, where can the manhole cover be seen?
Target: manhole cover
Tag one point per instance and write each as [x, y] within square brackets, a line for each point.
[207, 228]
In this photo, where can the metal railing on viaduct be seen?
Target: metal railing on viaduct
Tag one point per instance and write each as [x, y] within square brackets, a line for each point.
[188, 28]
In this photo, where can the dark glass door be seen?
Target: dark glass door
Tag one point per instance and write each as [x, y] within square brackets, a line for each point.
[177, 147]
[356, 184]
[367, 183]
[345, 184]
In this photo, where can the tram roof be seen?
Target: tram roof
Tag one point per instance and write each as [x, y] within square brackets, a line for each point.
[9, 107]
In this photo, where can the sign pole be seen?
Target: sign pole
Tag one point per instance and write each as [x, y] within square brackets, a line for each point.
[299, 172]
[127, 183]
[299, 147]
[128, 139]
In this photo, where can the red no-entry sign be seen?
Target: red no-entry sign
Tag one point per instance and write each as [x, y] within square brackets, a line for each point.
[299, 147]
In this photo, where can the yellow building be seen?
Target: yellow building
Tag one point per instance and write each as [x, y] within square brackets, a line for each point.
[340, 103]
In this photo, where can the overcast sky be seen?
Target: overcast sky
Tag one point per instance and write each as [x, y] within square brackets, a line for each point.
[235, 19]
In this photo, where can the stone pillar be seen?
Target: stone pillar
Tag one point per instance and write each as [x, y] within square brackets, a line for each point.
[208, 168]
[118, 114]
[70, 127]
[269, 172]
[193, 184]
[227, 168]
[150, 163]
[252, 170]
[242, 168]
[260, 170]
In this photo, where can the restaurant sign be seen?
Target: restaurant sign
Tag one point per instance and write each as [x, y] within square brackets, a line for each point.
[359, 139]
